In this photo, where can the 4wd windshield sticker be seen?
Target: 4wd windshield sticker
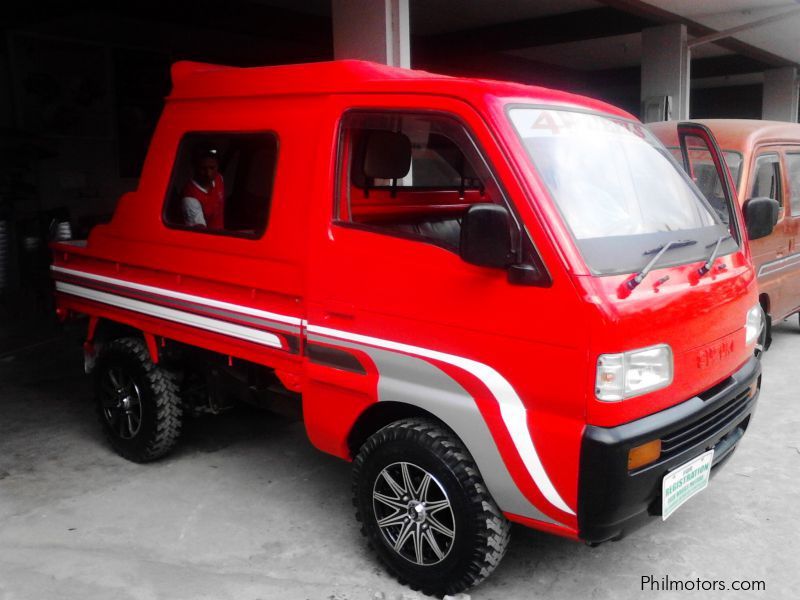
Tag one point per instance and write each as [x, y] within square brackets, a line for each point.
[534, 122]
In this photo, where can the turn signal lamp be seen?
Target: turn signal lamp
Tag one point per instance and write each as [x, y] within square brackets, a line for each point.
[644, 454]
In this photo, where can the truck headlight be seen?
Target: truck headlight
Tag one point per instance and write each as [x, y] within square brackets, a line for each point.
[753, 324]
[629, 374]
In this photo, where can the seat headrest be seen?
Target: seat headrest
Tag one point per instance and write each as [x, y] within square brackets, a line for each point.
[387, 155]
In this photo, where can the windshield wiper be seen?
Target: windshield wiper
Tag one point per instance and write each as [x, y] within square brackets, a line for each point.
[707, 265]
[672, 244]
[632, 283]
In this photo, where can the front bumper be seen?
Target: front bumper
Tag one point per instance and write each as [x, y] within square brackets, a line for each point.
[613, 501]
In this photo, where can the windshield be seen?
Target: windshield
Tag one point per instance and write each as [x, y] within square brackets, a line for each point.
[618, 189]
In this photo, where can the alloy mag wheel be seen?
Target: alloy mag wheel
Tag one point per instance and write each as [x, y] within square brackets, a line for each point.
[121, 403]
[413, 513]
[424, 508]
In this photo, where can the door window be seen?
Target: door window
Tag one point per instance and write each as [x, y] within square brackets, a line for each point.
[700, 159]
[793, 172]
[704, 173]
[222, 183]
[411, 175]
[767, 178]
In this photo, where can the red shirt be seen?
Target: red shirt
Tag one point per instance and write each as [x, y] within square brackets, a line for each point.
[211, 200]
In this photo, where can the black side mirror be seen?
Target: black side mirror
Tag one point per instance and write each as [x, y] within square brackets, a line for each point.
[760, 216]
[486, 236]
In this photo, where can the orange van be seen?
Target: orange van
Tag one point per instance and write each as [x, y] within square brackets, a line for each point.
[764, 160]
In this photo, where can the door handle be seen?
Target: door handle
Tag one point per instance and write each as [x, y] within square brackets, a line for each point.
[337, 315]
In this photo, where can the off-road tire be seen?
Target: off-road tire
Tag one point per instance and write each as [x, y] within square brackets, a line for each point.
[161, 414]
[481, 531]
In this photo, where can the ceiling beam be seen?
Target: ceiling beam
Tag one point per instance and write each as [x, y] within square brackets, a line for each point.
[661, 16]
[542, 31]
[726, 33]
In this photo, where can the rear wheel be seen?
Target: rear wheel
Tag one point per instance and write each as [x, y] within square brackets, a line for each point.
[137, 401]
[425, 509]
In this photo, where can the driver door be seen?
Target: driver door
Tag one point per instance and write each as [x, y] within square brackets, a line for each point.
[389, 283]
[705, 164]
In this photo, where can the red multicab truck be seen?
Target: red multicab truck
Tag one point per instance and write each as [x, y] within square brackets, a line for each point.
[500, 302]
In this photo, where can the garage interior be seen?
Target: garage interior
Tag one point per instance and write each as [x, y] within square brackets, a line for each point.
[251, 505]
[83, 83]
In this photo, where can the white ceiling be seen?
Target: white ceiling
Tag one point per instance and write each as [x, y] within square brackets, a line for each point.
[441, 16]
[781, 38]
[613, 52]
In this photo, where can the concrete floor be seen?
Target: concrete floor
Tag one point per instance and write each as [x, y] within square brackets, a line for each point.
[247, 509]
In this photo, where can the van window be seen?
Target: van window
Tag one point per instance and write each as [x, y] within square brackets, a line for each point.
[734, 161]
[704, 174]
[410, 174]
[793, 172]
[222, 183]
[767, 178]
[700, 156]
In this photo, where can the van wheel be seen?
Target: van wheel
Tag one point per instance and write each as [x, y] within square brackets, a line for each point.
[137, 401]
[763, 339]
[765, 336]
[425, 510]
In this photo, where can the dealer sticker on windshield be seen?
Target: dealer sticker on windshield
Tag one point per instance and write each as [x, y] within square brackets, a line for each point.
[684, 482]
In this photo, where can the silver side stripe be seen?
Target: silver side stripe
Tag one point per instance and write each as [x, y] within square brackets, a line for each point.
[512, 409]
[177, 316]
[779, 265]
[181, 296]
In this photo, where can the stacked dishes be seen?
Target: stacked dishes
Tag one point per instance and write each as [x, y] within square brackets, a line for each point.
[31, 243]
[63, 231]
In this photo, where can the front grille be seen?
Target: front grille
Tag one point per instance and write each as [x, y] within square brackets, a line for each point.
[706, 426]
[713, 391]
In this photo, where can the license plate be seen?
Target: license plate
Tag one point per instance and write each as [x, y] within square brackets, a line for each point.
[684, 482]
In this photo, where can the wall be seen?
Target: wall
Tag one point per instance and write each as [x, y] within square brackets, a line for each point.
[86, 91]
[737, 102]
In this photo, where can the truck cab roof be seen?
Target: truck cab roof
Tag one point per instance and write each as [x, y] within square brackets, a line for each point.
[195, 80]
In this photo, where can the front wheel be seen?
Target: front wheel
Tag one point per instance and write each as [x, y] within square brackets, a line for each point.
[425, 509]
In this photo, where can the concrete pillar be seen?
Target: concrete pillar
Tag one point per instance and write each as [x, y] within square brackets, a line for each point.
[780, 95]
[375, 30]
[665, 73]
